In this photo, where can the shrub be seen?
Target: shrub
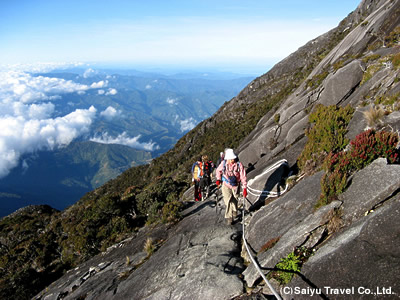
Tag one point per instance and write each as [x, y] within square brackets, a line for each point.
[393, 38]
[277, 118]
[374, 116]
[396, 60]
[171, 212]
[365, 148]
[372, 57]
[370, 72]
[317, 79]
[286, 268]
[327, 134]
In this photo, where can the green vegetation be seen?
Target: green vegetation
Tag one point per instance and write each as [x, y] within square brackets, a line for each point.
[277, 117]
[393, 38]
[369, 73]
[370, 58]
[39, 248]
[317, 80]
[327, 134]
[324, 148]
[366, 147]
[396, 60]
[290, 265]
[287, 267]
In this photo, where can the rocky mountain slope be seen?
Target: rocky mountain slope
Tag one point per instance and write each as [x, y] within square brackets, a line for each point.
[323, 219]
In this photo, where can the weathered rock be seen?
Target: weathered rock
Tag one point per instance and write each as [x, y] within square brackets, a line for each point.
[363, 258]
[370, 187]
[289, 219]
[276, 218]
[341, 84]
[194, 264]
[198, 259]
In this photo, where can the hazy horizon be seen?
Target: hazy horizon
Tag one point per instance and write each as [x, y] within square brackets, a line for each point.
[225, 35]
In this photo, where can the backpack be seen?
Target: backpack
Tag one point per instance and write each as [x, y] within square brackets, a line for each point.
[232, 180]
[207, 167]
[197, 171]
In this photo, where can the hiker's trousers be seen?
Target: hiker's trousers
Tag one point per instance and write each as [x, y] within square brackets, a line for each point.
[231, 201]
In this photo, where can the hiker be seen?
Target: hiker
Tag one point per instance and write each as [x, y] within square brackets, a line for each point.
[197, 175]
[208, 166]
[230, 173]
[205, 182]
[220, 159]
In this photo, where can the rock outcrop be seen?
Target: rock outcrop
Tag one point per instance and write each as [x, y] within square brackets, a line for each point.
[354, 239]
[199, 258]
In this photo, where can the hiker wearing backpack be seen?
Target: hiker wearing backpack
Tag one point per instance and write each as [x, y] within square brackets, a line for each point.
[205, 181]
[221, 158]
[230, 173]
[197, 175]
[208, 167]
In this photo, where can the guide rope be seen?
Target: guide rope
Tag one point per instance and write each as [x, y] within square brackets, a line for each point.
[256, 192]
[268, 194]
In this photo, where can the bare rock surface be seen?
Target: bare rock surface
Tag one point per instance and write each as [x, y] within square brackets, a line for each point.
[360, 262]
[199, 258]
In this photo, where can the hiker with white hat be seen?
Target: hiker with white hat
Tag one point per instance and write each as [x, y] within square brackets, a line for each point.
[230, 173]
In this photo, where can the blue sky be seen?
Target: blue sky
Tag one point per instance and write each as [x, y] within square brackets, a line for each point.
[248, 36]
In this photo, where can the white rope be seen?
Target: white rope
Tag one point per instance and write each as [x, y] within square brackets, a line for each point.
[254, 261]
[267, 193]
[256, 193]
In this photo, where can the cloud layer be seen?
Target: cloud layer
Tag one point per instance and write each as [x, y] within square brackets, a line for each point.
[124, 139]
[26, 114]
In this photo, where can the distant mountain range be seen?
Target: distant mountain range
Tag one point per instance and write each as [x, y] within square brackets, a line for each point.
[159, 108]
[140, 116]
[59, 178]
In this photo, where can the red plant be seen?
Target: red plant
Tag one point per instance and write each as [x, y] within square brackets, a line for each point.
[365, 148]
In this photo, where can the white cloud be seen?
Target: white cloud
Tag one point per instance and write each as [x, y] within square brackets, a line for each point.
[187, 124]
[99, 85]
[111, 91]
[172, 101]
[124, 139]
[39, 67]
[89, 73]
[148, 87]
[101, 92]
[20, 135]
[109, 113]
[23, 87]
[26, 111]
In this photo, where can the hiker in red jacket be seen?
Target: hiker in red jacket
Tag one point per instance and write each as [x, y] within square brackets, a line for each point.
[232, 173]
[205, 182]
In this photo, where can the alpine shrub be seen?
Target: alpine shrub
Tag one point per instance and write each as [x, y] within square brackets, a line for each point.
[328, 133]
[290, 265]
[365, 148]
[287, 267]
[171, 212]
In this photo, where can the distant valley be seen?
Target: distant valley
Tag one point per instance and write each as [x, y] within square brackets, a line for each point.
[139, 116]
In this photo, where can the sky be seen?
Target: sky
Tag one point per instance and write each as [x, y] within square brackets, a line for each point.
[244, 37]
[232, 35]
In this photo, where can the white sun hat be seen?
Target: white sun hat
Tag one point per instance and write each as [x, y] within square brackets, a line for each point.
[229, 154]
